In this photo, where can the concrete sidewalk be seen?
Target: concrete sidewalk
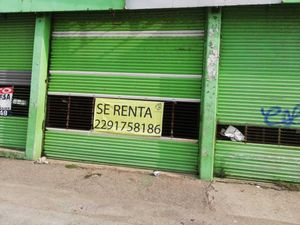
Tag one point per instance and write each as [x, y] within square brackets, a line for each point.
[64, 194]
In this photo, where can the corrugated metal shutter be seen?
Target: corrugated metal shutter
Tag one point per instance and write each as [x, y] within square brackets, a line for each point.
[257, 161]
[16, 49]
[154, 55]
[156, 65]
[151, 153]
[259, 62]
[260, 73]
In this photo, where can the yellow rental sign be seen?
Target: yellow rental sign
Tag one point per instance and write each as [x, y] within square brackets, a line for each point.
[128, 117]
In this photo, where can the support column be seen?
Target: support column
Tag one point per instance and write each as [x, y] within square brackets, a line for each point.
[209, 94]
[38, 90]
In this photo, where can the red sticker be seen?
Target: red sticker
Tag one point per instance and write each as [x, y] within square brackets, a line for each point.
[6, 90]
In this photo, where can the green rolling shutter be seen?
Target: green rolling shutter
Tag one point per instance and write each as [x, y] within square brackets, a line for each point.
[259, 62]
[257, 161]
[147, 153]
[16, 49]
[260, 72]
[154, 55]
[157, 53]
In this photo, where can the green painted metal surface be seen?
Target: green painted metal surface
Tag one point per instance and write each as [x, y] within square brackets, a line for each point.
[16, 47]
[175, 19]
[147, 55]
[37, 107]
[140, 61]
[209, 94]
[9, 6]
[291, 1]
[13, 132]
[257, 161]
[16, 41]
[147, 153]
[259, 68]
[173, 87]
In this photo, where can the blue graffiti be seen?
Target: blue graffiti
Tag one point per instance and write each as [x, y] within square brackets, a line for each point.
[287, 116]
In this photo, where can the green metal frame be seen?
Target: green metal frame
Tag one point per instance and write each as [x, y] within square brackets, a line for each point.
[38, 93]
[9, 6]
[209, 97]
[209, 94]
[291, 1]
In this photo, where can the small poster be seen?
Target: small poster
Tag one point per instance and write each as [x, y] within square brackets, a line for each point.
[131, 117]
[6, 95]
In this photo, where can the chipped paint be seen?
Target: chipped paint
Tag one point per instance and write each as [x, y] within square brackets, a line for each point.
[209, 95]
[213, 52]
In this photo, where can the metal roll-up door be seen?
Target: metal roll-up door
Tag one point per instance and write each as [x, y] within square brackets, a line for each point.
[259, 93]
[152, 55]
[16, 50]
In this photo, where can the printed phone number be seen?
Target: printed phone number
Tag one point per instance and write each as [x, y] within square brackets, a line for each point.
[127, 126]
[3, 112]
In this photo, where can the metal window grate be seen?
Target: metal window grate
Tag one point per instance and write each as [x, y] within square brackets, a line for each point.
[70, 112]
[186, 120]
[265, 135]
[181, 119]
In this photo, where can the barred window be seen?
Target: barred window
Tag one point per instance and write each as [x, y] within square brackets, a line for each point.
[265, 135]
[180, 119]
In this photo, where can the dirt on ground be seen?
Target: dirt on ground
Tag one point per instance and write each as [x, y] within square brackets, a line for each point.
[63, 193]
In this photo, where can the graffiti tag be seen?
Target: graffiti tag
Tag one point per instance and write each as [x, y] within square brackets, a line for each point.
[278, 116]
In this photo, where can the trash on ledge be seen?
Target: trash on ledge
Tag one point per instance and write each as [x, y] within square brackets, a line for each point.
[233, 133]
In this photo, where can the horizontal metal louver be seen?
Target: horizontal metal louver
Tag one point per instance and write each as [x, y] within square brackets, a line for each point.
[140, 53]
[149, 55]
[257, 161]
[16, 50]
[260, 54]
[147, 153]
[13, 131]
[15, 77]
[259, 93]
